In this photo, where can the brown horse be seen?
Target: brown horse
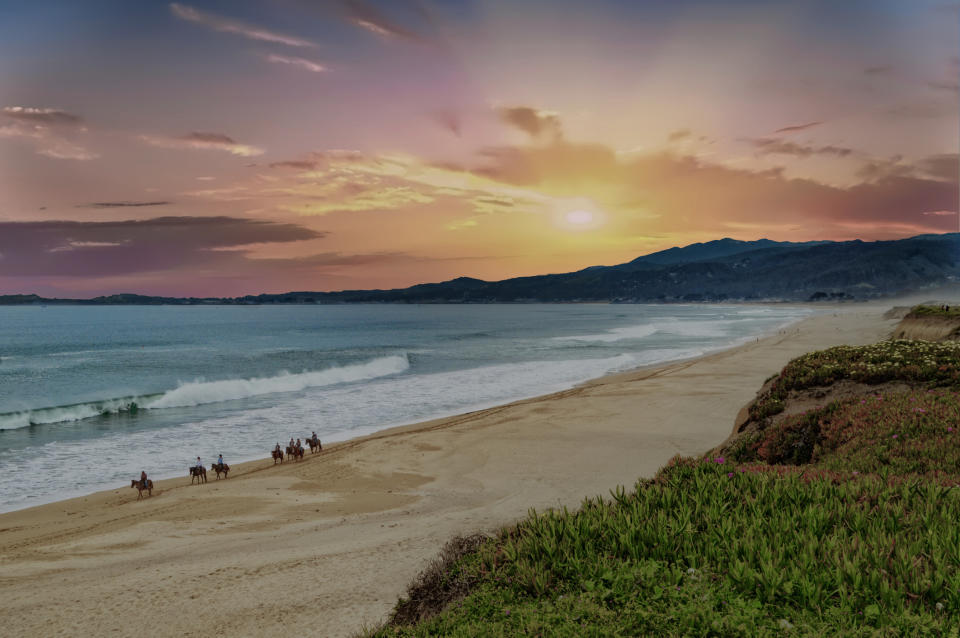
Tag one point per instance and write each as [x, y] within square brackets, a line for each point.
[141, 489]
[220, 469]
[314, 445]
[295, 452]
[198, 474]
[277, 456]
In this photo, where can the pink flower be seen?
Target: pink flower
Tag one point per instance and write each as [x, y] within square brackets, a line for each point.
[894, 436]
[949, 429]
[855, 472]
[719, 459]
[729, 473]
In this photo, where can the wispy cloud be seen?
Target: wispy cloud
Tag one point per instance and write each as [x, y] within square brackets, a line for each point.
[41, 115]
[678, 135]
[881, 69]
[797, 127]
[125, 204]
[950, 86]
[448, 120]
[52, 132]
[229, 25]
[76, 249]
[303, 63]
[305, 165]
[366, 17]
[534, 122]
[203, 141]
[768, 146]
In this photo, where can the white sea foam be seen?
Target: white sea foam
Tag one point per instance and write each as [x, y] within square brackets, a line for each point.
[202, 392]
[712, 328]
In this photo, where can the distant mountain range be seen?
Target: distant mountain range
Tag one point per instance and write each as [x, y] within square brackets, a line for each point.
[720, 270]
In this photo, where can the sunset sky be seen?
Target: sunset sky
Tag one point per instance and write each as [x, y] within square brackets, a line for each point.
[225, 148]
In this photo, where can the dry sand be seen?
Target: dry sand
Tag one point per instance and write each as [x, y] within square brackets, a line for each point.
[324, 547]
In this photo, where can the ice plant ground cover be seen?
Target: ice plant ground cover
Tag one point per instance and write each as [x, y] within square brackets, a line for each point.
[841, 522]
[898, 433]
[926, 363]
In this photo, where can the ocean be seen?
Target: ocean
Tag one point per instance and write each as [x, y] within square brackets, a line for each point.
[90, 396]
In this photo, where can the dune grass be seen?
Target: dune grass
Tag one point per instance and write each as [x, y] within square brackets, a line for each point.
[935, 311]
[839, 522]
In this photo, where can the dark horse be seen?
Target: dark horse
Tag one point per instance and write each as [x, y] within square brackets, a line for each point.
[295, 451]
[198, 474]
[314, 445]
[220, 469]
[141, 488]
[277, 455]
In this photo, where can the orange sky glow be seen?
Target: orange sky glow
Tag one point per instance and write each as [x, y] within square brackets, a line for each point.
[230, 148]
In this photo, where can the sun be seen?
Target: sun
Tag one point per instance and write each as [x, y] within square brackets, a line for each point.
[577, 214]
[579, 217]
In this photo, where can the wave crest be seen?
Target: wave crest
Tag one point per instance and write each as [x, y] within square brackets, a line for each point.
[202, 392]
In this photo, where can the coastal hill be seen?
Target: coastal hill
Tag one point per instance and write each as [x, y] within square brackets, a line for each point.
[835, 520]
[721, 270]
[932, 323]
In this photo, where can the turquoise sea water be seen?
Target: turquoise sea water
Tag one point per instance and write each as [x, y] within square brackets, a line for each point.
[89, 396]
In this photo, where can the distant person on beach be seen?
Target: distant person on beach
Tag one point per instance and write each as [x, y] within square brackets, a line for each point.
[199, 465]
[291, 441]
[299, 444]
[143, 479]
[220, 460]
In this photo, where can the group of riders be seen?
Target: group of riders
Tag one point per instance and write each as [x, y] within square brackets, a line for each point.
[220, 465]
[297, 447]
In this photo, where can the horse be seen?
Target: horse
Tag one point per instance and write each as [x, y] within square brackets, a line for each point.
[277, 455]
[220, 469]
[198, 474]
[295, 452]
[141, 489]
[314, 445]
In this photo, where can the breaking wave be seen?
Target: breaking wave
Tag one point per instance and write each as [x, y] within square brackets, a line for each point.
[201, 392]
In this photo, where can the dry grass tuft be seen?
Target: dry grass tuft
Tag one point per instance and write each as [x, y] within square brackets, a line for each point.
[441, 583]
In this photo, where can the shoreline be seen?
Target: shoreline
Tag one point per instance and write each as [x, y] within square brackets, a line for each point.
[354, 525]
[372, 430]
[377, 429]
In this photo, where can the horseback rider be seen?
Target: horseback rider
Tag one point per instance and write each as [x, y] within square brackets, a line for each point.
[299, 444]
[291, 442]
[143, 479]
[277, 449]
[199, 465]
[220, 461]
[315, 438]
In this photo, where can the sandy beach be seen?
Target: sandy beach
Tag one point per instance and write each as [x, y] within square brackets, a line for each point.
[325, 546]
